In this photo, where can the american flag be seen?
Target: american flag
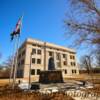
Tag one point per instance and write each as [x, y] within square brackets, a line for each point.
[17, 28]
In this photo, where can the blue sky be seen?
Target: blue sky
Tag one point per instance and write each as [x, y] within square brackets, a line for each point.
[43, 20]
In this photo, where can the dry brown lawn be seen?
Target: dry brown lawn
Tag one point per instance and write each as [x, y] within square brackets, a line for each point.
[8, 94]
[4, 82]
[96, 90]
[35, 96]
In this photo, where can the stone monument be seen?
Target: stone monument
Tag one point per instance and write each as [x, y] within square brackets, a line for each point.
[51, 75]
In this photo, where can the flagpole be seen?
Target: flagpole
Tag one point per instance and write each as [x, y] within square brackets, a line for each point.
[15, 34]
[16, 57]
[12, 65]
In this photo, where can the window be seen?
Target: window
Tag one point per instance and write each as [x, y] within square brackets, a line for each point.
[64, 63]
[38, 61]
[50, 48]
[22, 61]
[64, 55]
[19, 73]
[39, 45]
[65, 71]
[50, 53]
[23, 53]
[33, 60]
[33, 44]
[38, 71]
[73, 64]
[32, 71]
[58, 64]
[73, 57]
[70, 56]
[33, 51]
[39, 52]
[58, 56]
[73, 71]
[19, 64]
[19, 56]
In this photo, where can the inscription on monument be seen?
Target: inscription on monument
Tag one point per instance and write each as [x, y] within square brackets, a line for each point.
[47, 77]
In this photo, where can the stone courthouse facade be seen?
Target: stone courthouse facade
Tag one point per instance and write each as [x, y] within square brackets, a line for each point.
[34, 56]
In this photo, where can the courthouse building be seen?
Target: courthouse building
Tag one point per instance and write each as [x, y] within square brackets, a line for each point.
[34, 56]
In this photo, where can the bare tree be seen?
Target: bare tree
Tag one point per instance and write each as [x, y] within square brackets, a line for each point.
[97, 56]
[8, 62]
[85, 62]
[7, 65]
[83, 21]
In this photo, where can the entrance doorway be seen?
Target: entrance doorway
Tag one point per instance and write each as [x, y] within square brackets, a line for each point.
[51, 64]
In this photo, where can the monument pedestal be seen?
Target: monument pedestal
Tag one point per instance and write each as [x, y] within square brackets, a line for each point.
[51, 76]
